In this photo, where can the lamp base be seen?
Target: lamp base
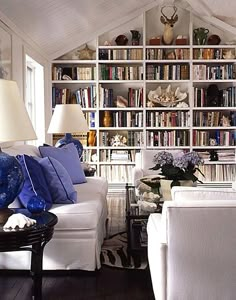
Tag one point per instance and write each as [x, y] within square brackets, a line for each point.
[5, 213]
[69, 139]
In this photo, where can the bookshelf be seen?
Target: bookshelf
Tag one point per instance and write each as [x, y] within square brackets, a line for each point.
[115, 84]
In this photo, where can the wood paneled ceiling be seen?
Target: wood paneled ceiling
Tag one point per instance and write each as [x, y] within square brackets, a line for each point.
[58, 26]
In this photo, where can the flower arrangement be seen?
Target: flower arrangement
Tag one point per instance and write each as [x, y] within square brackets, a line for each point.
[183, 167]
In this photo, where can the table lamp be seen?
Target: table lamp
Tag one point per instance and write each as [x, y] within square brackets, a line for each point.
[15, 126]
[67, 119]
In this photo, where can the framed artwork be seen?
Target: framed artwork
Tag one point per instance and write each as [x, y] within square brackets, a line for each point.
[5, 54]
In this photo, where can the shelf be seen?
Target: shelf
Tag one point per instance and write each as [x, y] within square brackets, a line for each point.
[75, 81]
[153, 61]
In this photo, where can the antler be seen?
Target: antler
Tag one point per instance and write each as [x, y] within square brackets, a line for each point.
[172, 19]
[175, 10]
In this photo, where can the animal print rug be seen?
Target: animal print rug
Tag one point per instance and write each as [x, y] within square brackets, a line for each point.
[114, 253]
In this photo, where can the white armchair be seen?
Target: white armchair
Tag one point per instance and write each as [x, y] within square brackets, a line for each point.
[191, 245]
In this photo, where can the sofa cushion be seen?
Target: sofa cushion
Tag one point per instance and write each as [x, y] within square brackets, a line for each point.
[85, 214]
[59, 181]
[34, 183]
[69, 158]
[181, 193]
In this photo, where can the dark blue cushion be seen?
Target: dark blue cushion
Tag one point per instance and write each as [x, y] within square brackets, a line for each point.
[35, 183]
[59, 181]
[69, 158]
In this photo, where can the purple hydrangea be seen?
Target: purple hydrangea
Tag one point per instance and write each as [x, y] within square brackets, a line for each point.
[163, 158]
[193, 158]
[180, 162]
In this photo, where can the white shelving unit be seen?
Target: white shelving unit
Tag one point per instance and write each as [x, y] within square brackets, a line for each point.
[119, 75]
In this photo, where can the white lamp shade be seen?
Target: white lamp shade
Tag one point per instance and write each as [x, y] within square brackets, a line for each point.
[68, 118]
[15, 122]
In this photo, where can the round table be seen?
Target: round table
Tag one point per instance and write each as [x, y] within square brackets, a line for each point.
[32, 239]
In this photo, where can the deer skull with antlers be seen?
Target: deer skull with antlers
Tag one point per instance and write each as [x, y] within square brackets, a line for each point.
[168, 34]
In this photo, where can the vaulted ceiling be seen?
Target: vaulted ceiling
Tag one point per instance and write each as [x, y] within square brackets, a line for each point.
[58, 26]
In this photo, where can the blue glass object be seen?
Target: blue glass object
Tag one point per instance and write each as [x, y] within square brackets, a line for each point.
[11, 179]
[36, 205]
[67, 139]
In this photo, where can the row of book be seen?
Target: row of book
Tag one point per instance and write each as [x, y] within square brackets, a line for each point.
[121, 54]
[126, 119]
[74, 73]
[226, 97]
[110, 155]
[217, 172]
[91, 118]
[216, 72]
[164, 138]
[210, 53]
[89, 156]
[167, 119]
[134, 98]
[167, 72]
[220, 155]
[159, 54]
[108, 72]
[214, 138]
[130, 138]
[117, 173]
[86, 97]
[213, 118]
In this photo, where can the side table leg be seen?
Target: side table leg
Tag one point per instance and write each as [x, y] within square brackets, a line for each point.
[36, 270]
[128, 226]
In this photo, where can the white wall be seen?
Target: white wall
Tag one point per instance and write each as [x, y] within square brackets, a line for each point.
[20, 47]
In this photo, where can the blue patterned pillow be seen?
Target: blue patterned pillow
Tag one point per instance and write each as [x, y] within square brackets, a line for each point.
[35, 183]
[59, 181]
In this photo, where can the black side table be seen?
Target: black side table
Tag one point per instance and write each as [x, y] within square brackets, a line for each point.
[136, 223]
[32, 239]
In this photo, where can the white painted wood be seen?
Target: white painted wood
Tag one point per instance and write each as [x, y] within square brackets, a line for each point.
[58, 26]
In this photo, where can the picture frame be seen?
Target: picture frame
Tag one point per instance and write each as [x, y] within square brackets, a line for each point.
[5, 54]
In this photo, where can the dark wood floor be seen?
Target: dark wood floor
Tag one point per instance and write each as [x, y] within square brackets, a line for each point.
[105, 284]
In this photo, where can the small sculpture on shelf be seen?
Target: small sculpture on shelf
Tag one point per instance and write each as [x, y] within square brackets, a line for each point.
[86, 53]
[168, 34]
[121, 101]
[166, 97]
[225, 121]
[118, 141]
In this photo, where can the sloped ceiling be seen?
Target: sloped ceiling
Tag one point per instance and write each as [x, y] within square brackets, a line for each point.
[58, 26]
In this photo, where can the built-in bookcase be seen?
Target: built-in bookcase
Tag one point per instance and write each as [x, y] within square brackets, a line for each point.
[113, 89]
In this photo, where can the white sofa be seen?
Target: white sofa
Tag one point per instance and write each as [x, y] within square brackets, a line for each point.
[191, 245]
[79, 233]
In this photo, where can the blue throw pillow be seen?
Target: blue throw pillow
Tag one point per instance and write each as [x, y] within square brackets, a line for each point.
[59, 181]
[69, 158]
[35, 183]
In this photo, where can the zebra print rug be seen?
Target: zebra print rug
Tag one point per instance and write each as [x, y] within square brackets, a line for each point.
[114, 253]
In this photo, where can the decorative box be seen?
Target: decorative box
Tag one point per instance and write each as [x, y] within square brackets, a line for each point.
[182, 41]
[155, 41]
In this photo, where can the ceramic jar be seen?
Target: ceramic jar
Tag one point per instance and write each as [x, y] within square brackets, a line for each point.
[200, 35]
[107, 119]
[135, 37]
[91, 138]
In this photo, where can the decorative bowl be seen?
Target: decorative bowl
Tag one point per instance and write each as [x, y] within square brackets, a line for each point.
[213, 40]
[121, 40]
[166, 97]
